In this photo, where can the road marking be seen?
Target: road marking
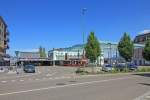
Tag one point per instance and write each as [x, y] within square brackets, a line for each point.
[69, 85]
[19, 76]
[143, 97]
[51, 74]
[3, 81]
[39, 72]
[21, 80]
[148, 97]
[50, 78]
[37, 79]
[13, 80]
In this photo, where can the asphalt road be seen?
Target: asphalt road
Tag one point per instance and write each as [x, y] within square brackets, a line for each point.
[59, 83]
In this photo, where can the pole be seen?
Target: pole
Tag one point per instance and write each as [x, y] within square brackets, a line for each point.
[83, 26]
[110, 54]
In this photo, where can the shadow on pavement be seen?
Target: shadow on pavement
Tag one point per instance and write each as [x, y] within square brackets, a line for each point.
[143, 74]
[147, 84]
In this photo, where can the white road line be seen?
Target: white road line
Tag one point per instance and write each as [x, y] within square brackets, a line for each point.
[50, 78]
[69, 85]
[51, 74]
[3, 81]
[143, 97]
[19, 76]
[21, 80]
[56, 78]
[13, 80]
[39, 72]
[37, 79]
[148, 97]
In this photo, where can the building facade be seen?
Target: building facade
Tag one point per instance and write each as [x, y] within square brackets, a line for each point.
[138, 55]
[109, 53]
[140, 41]
[4, 40]
[142, 37]
[30, 58]
[28, 54]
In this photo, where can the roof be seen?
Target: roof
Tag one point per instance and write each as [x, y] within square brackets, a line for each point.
[3, 21]
[144, 32]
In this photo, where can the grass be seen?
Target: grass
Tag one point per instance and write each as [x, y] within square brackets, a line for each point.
[144, 69]
[82, 71]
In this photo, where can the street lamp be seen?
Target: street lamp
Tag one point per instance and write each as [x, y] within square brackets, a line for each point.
[110, 55]
[83, 26]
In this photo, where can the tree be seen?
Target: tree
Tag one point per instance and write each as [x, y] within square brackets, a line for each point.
[92, 48]
[125, 47]
[146, 51]
[42, 51]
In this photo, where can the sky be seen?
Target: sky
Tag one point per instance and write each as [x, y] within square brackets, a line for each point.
[58, 23]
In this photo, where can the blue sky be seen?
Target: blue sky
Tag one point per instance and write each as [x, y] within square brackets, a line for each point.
[57, 23]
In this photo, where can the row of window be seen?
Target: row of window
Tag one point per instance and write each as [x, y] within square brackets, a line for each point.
[142, 38]
[1, 25]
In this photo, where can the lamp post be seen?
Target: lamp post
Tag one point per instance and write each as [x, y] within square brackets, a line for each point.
[83, 28]
[110, 54]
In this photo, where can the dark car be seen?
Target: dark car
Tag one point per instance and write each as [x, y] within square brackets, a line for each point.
[29, 68]
[120, 66]
[132, 66]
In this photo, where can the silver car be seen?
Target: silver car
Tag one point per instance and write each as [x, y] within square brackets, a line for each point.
[107, 68]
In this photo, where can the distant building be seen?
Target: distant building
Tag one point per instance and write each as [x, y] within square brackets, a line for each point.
[4, 40]
[142, 37]
[64, 54]
[30, 58]
[109, 53]
[28, 54]
[140, 41]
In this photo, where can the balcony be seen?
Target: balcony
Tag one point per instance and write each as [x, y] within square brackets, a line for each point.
[7, 32]
[6, 39]
[6, 46]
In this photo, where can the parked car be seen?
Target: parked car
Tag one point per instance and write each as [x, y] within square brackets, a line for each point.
[29, 68]
[107, 68]
[132, 66]
[120, 66]
[2, 69]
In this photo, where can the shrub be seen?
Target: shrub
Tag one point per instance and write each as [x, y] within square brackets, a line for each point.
[144, 69]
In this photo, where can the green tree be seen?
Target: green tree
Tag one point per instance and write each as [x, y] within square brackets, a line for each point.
[42, 51]
[146, 51]
[92, 48]
[125, 47]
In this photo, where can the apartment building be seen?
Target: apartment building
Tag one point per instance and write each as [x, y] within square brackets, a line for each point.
[140, 41]
[142, 37]
[4, 40]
